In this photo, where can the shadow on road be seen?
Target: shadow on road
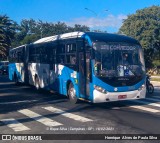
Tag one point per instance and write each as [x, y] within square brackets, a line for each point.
[13, 98]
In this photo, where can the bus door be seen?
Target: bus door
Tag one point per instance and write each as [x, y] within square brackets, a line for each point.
[84, 73]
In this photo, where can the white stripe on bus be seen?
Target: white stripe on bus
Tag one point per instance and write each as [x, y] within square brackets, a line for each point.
[15, 125]
[44, 120]
[67, 114]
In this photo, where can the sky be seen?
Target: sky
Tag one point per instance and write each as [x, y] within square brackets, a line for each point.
[106, 15]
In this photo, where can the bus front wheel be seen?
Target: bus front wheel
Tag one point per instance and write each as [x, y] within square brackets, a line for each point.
[37, 86]
[72, 93]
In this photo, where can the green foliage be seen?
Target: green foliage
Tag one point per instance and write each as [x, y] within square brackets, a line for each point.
[7, 32]
[31, 30]
[156, 62]
[144, 26]
[13, 35]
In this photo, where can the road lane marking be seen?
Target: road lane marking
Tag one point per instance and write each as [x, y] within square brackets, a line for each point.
[56, 101]
[152, 99]
[28, 101]
[14, 102]
[145, 109]
[147, 103]
[67, 114]
[44, 120]
[15, 125]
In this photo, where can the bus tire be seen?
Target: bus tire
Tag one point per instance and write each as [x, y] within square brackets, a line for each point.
[72, 93]
[150, 89]
[37, 86]
[15, 79]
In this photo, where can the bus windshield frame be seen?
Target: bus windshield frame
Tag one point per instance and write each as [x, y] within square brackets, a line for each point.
[118, 59]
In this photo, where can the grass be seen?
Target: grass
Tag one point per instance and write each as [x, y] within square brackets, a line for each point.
[155, 79]
[156, 62]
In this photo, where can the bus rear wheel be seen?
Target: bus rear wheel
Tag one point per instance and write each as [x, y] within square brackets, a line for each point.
[15, 78]
[72, 94]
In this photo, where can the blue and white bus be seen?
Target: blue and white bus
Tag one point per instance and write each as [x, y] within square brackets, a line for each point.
[90, 66]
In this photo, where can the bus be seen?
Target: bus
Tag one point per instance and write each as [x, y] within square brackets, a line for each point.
[90, 66]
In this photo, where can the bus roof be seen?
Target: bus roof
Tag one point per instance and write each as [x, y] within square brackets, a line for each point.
[94, 36]
[18, 47]
[58, 37]
[108, 37]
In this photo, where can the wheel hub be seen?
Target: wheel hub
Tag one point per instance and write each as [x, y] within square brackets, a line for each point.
[72, 92]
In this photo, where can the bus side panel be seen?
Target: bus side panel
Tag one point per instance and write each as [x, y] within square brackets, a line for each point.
[21, 72]
[31, 73]
[66, 74]
[42, 73]
[16, 69]
[12, 70]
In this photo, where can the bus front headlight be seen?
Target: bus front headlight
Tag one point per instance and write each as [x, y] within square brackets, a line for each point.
[142, 87]
[100, 89]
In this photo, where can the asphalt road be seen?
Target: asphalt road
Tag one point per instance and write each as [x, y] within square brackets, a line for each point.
[26, 111]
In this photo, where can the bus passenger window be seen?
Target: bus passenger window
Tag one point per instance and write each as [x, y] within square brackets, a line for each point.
[60, 59]
[61, 49]
[73, 60]
[71, 48]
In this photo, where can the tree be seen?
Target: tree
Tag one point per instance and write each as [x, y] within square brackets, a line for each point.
[26, 33]
[81, 28]
[2, 44]
[144, 26]
[31, 30]
[7, 32]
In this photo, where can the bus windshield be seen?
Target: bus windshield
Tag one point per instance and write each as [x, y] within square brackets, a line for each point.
[118, 60]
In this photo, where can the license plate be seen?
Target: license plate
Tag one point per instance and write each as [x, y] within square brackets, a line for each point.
[122, 96]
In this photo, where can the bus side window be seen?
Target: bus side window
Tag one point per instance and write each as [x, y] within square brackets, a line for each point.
[43, 54]
[52, 55]
[60, 59]
[32, 54]
[73, 59]
[20, 56]
[61, 53]
[71, 48]
[71, 53]
[51, 52]
[61, 49]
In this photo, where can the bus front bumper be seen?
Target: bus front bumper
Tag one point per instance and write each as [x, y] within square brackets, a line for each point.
[99, 97]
